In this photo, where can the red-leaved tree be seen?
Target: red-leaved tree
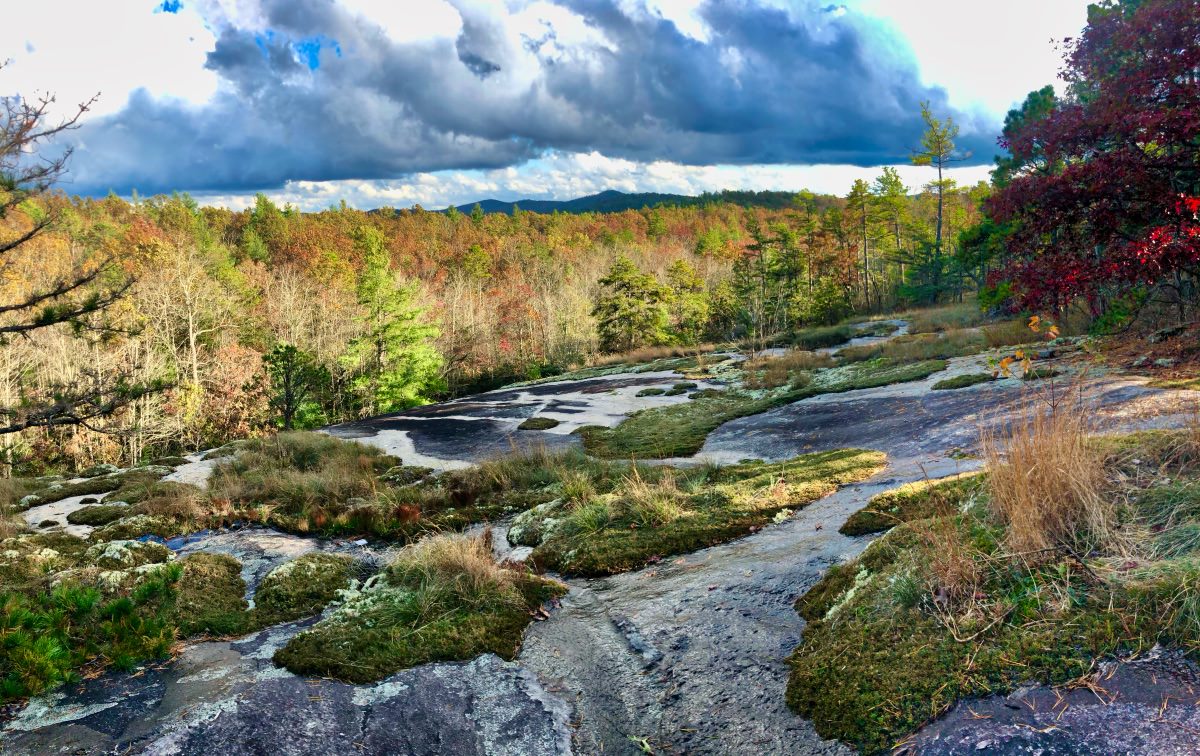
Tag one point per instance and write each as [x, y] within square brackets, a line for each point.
[1100, 192]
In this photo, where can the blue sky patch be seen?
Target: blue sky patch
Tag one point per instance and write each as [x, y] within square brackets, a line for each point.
[309, 50]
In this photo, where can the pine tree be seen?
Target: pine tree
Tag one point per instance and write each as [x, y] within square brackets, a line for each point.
[689, 303]
[937, 150]
[631, 310]
[396, 362]
[295, 378]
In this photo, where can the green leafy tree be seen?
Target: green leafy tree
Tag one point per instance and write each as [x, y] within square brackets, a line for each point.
[295, 380]
[688, 304]
[476, 262]
[631, 310]
[396, 362]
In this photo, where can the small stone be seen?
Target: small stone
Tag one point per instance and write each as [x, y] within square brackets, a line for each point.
[1164, 362]
[1142, 361]
[1046, 354]
[96, 471]
[1166, 333]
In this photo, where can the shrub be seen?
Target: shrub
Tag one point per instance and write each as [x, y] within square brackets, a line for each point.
[47, 637]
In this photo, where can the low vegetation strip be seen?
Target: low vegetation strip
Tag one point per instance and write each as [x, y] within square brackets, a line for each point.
[1069, 551]
[680, 430]
[912, 501]
[965, 380]
[649, 515]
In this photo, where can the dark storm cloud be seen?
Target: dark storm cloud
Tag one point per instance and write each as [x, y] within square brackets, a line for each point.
[767, 86]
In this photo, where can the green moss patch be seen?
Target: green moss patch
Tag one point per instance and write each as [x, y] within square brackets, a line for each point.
[680, 430]
[542, 423]
[1185, 384]
[174, 461]
[101, 514]
[963, 381]
[642, 518]
[652, 391]
[443, 599]
[301, 587]
[822, 336]
[912, 501]
[211, 596]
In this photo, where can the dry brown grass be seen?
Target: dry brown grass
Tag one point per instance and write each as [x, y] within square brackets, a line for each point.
[1048, 482]
[946, 318]
[460, 565]
[1008, 333]
[918, 347]
[177, 501]
[773, 372]
[650, 354]
[652, 503]
[954, 571]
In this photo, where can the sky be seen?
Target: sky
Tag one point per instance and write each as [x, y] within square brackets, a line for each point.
[438, 102]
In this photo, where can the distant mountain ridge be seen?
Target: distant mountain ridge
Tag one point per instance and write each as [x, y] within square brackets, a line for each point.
[612, 201]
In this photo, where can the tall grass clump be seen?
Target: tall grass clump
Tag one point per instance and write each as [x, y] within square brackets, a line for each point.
[1047, 482]
[947, 318]
[299, 477]
[822, 336]
[773, 372]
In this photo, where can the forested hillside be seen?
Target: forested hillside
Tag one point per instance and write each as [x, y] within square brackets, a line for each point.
[274, 317]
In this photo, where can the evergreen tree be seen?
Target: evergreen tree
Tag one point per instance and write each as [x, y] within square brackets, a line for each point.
[938, 151]
[295, 379]
[631, 310]
[396, 362]
[689, 303]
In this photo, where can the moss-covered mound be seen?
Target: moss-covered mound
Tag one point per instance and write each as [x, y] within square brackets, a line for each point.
[100, 514]
[942, 609]
[963, 381]
[912, 501]
[1039, 374]
[443, 599]
[643, 518]
[301, 587]
[542, 423]
[211, 596]
[652, 391]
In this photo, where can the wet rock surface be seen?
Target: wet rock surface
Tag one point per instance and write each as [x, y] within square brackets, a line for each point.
[686, 656]
[1141, 706]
